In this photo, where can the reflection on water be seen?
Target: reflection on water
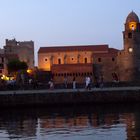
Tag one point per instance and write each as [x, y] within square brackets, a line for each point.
[117, 122]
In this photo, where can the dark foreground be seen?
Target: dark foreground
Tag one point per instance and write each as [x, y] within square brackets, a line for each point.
[60, 97]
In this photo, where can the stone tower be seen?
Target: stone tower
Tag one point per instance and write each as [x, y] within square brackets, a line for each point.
[24, 50]
[129, 57]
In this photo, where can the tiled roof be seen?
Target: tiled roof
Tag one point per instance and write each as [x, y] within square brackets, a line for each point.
[96, 48]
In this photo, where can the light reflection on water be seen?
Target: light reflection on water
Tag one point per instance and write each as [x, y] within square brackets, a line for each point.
[110, 122]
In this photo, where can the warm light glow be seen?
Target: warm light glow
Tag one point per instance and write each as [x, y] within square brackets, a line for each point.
[132, 25]
[29, 71]
[6, 78]
[130, 50]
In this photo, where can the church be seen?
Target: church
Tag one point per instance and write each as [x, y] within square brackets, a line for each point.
[96, 61]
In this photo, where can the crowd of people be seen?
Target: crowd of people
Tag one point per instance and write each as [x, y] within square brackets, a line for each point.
[88, 83]
[23, 81]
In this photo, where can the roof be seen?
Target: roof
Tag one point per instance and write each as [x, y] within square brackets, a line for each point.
[132, 17]
[111, 53]
[96, 48]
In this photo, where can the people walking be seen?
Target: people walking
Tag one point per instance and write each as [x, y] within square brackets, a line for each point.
[74, 83]
[65, 82]
[101, 81]
[51, 84]
[88, 82]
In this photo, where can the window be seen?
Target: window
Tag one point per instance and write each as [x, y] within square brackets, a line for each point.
[113, 59]
[85, 60]
[59, 61]
[1, 66]
[99, 60]
[72, 59]
[46, 59]
[2, 59]
[129, 35]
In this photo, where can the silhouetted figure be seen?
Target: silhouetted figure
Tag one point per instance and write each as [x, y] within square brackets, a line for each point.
[74, 83]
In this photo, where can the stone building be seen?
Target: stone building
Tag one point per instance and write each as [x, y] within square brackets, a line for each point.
[129, 57]
[24, 50]
[77, 61]
[96, 60]
[2, 62]
[4, 59]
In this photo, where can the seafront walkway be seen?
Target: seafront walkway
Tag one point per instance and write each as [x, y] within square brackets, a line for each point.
[64, 90]
[55, 97]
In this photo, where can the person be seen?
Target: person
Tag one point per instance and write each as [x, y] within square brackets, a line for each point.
[65, 82]
[89, 82]
[51, 84]
[22, 78]
[74, 83]
[96, 82]
[30, 81]
[101, 81]
[86, 81]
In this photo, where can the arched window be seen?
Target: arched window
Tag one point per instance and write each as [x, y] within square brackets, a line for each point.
[85, 60]
[129, 35]
[99, 59]
[59, 61]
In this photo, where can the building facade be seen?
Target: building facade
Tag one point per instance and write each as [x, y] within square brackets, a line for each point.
[2, 63]
[78, 62]
[24, 50]
[129, 57]
[96, 60]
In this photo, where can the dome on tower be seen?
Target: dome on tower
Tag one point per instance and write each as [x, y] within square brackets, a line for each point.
[132, 17]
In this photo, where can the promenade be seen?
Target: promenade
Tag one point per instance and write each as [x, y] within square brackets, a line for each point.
[79, 90]
[55, 97]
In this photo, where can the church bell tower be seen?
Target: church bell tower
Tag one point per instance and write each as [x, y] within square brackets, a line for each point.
[131, 53]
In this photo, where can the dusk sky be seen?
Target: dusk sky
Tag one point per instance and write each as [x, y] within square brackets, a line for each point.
[65, 22]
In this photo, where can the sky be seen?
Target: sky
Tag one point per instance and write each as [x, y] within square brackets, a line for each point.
[65, 22]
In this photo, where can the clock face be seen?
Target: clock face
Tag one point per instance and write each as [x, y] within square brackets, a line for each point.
[130, 50]
[132, 26]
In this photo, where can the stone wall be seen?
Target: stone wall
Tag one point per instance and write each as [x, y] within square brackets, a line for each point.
[40, 98]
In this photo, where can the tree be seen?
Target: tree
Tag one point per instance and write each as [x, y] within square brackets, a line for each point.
[16, 65]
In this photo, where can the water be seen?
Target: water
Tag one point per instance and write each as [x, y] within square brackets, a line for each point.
[94, 122]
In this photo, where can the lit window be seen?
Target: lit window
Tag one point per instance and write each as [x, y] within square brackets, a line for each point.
[130, 50]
